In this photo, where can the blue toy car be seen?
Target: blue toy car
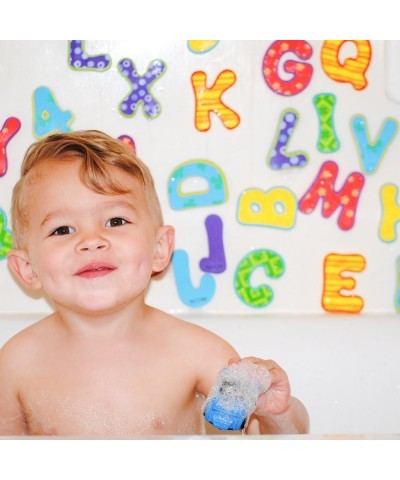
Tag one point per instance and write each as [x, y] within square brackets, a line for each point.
[234, 396]
[222, 416]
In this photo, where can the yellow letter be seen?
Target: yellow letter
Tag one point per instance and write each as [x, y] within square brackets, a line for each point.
[391, 213]
[275, 208]
[334, 282]
[353, 69]
[209, 100]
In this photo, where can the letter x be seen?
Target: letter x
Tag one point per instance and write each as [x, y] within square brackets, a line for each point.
[141, 87]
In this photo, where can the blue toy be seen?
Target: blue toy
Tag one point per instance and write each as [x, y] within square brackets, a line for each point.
[234, 397]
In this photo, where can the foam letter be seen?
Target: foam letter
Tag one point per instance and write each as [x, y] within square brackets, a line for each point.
[327, 142]
[274, 208]
[80, 60]
[141, 88]
[48, 117]
[191, 296]
[352, 70]
[277, 156]
[5, 236]
[273, 266]
[9, 129]
[346, 198]
[300, 72]
[209, 100]
[129, 142]
[201, 46]
[372, 154]
[334, 282]
[390, 213]
[215, 194]
[215, 262]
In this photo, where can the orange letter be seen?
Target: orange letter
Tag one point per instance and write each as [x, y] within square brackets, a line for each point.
[334, 282]
[209, 100]
[353, 69]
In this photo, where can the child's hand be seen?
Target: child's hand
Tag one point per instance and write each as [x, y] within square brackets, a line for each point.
[276, 399]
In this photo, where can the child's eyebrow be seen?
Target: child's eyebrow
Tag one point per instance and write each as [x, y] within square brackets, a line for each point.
[117, 204]
[61, 212]
[64, 212]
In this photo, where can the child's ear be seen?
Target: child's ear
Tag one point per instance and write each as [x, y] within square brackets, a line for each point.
[164, 248]
[20, 265]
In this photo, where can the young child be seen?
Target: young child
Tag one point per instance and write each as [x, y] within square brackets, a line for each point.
[88, 230]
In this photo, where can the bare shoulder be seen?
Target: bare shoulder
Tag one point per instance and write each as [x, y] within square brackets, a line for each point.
[195, 348]
[24, 343]
[193, 335]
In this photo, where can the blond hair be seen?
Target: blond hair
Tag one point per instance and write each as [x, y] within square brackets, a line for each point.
[98, 152]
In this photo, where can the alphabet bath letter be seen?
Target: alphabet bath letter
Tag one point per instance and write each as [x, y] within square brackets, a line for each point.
[300, 72]
[140, 92]
[215, 193]
[347, 198]
[189, 295]
[334, 282]
[351, 70]
[390, 213]
[209, 100]
[273, 266]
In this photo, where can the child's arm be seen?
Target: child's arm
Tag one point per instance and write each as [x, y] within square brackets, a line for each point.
[12, 419]
[277, 411]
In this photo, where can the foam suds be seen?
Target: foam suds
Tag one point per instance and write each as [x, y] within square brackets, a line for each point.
[82, 417]
[234, 397]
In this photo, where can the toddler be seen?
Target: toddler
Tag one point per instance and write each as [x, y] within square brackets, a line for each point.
[88, 231]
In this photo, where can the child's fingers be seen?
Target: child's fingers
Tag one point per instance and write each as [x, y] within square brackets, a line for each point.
[276, 371]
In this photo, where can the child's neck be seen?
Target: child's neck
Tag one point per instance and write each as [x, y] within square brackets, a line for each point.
[120, 322]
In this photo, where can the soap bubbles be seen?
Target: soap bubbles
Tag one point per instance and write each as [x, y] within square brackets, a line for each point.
[234, 397]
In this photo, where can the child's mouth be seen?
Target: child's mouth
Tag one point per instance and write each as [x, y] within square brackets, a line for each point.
[95, 270]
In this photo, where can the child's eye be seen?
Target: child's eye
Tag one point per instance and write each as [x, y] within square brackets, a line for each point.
[116, 222]
[64, 230]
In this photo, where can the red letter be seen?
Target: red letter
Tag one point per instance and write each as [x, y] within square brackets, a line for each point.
[10, 128]
[347, 197]
[301, 72]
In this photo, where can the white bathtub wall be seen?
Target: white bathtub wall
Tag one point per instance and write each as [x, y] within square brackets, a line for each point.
[345, 367]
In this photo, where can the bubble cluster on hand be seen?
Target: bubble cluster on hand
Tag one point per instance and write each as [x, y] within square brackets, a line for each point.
[234, 396]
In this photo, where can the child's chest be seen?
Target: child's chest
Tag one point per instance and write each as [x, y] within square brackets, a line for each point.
[111, 397]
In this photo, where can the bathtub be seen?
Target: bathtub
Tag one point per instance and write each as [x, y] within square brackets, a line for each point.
[345, 369]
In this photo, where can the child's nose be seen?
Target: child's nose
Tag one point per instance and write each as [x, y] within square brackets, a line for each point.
[92, 243]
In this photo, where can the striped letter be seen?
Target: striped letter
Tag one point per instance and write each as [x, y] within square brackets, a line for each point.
[209, 100]
[332, 299]
[352, 70]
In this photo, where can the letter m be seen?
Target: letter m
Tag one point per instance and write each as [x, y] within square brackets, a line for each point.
[346, 198]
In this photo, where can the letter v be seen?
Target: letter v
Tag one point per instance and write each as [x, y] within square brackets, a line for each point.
[371, 154]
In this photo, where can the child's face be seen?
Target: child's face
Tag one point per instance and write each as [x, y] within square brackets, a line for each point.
[89, 252]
